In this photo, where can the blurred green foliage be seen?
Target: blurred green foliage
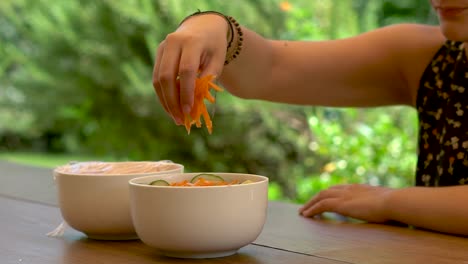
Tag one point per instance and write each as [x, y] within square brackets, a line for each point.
[75, 77]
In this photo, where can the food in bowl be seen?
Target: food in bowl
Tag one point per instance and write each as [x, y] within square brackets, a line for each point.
[198, 221]
[202, 179]
[94, 197]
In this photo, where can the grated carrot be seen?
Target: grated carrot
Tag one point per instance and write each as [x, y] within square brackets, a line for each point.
[202, 92]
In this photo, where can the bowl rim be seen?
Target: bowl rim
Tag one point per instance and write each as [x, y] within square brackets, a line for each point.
[178, 167]
[132, 182]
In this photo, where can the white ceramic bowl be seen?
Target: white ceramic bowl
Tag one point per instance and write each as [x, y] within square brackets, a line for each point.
[98, 204]
[198, 222]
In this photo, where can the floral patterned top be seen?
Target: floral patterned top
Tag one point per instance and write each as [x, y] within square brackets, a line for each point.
[442, 103]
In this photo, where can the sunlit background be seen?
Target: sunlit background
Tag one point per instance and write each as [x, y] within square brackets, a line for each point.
[75, 84]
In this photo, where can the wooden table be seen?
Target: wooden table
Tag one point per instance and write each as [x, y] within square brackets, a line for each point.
[28, 211]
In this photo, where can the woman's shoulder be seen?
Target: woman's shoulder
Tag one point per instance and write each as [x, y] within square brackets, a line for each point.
[416, 40]
[416, 45]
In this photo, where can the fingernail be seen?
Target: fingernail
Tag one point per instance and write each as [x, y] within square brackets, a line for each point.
[177, 120]
[186, 109]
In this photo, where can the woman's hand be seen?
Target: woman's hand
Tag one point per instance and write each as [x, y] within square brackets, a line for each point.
[197, 47]
[358, 201]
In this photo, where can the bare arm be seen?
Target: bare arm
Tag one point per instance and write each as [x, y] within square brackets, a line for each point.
[380, 67]
[441, 209]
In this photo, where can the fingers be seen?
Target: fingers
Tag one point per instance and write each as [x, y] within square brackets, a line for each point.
[167, 75]
[321, 206]
[321, 196]
[188, 71]
[179, 59]
[156, 84]
[360, 201]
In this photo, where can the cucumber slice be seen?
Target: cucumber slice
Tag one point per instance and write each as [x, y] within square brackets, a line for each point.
[207, 176]
[159, 183]
[247, 182]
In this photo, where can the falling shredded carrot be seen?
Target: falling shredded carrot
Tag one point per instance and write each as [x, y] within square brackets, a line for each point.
[202, 182]
[202, 92]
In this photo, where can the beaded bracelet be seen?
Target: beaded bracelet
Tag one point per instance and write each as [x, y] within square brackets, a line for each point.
[230, 54]
[240, 38]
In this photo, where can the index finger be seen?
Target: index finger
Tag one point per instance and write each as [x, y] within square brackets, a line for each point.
[188, 72]
[156, 84]
[167, 77]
